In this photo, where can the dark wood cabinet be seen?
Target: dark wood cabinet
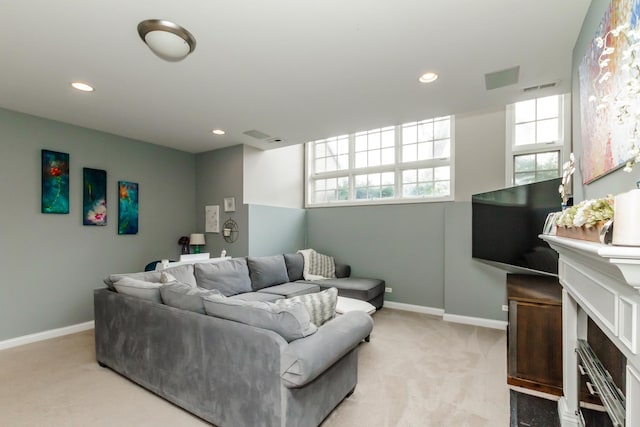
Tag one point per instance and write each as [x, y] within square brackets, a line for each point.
[535, 333]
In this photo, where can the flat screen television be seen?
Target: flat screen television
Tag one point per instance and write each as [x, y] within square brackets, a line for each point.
[506, 224]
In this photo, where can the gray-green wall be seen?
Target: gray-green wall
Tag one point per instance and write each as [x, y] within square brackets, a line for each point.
[51, 263]
[276, 230]
[618, 181]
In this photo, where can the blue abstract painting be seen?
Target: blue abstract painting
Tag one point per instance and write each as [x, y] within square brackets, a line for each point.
[55, 182]
[94, 197]
[127, 207]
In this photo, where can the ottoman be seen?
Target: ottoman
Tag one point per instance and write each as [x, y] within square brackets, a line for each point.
[369, 290]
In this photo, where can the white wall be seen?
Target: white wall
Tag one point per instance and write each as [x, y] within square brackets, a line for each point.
[274, 177]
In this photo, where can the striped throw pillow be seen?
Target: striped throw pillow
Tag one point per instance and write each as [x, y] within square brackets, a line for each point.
[320, 305]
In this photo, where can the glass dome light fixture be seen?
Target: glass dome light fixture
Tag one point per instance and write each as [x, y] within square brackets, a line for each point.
[428, 77]
[167, 40]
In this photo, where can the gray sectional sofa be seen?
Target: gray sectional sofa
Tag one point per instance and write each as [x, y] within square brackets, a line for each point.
[231, 372]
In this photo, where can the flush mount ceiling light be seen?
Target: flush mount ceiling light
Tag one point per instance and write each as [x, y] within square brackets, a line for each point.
[169, 41]
[82, 87]
[218, 132]
[428, 77]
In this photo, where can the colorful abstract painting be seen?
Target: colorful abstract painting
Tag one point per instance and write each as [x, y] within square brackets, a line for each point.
[55, 182]
[127, 207]
[94, 197]
[605, 141]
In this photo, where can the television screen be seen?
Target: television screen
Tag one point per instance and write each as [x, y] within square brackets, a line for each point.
[506, 224]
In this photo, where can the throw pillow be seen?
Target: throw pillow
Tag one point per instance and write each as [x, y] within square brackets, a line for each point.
[321, 306]
[139, 288]
[317, 266]
[147, 276]
[267, 271]
[183, 274]
[185, 297]
[230, 277]
[295, 266]
[290, 322]
[167, 277]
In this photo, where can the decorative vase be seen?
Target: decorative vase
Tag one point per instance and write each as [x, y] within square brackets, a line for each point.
[626, 219]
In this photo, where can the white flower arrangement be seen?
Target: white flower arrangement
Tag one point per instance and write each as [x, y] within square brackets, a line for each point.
[567, 170]
[626, 103]
[587, 213]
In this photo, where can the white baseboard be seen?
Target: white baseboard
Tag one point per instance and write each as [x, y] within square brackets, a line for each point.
[475, 321]
[41, 336]
[414, 308]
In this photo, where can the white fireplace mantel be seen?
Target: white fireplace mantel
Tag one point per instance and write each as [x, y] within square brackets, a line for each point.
[603, 283]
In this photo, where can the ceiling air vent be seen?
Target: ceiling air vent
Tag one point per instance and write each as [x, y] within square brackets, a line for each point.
[502, 78]
[256, 134]
[539, 87]
[272, 140]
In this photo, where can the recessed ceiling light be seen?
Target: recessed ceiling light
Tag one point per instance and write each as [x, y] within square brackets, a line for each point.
[82, 87]
[218, 131]
[428, 77]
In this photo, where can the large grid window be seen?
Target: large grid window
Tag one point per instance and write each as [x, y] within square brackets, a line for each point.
[395, 164]
[537, 139]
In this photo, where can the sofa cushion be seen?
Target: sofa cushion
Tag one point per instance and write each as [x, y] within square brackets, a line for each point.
[321, 306]
[267, 271]
[295, 266]
[185, 297]
[230, 277]
[182, 273]
[354, 287]
[139, 288]
[291, 322]
[288, 290]
[257, 296]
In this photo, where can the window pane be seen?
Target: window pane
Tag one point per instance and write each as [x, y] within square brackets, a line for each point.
[525, 133]
[425, 131]
[524, 178]
[525, 111]
[343, 145]
[388, 178]
[361, 193]
[374, 158]
[331, 164]
[409, 153]
[425, 189]
[387, 191]
[547, 130]
[425, 174]
[388, 156]
[373, 179]
[343, 162]
[331, 184]
[409, 190]
[409, 176]
[425, 150]
[332, 147]
[441, 173]
[548, 107]
[374, 141]
[373, 193]
[361, 142]
[409, 134]
[542, 175]
[547, 161]
[441, 188]
[361, 180]
[343, 188]
[320, 149]
[388, 138]
[525, 162]
[441, 129]
[441, 148]
[361, 159]
[321, 184]
[319, 167]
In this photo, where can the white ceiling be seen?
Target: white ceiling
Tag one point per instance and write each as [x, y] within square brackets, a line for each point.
[294, 69]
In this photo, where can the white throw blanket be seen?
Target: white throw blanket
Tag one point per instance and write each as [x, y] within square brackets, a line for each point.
[317, 266]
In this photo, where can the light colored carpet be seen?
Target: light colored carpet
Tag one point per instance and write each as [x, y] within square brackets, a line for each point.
[416, 371]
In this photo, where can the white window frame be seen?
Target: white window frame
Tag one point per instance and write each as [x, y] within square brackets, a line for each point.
[397, 167]
[563, 145]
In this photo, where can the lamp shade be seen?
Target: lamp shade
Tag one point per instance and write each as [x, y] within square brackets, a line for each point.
[196, 239]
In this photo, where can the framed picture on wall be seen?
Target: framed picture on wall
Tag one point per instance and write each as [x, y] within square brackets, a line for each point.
[229, 204]
[212, 219]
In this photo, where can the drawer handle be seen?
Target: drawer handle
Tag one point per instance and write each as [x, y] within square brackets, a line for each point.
[592, 390]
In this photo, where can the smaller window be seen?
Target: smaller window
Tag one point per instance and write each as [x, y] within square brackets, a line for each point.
[331, 189]
[375, 185]
[530, 168]
[375, 147]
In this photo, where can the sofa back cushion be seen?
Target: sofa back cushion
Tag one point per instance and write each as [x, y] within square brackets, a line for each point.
[139, 288]
[290, 322]
[186, 297]
[267, 271]
[230, 277]
[182, 273]
[295, 266]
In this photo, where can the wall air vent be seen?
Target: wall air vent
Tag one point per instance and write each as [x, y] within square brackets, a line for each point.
[256, 134]
[540, 87]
